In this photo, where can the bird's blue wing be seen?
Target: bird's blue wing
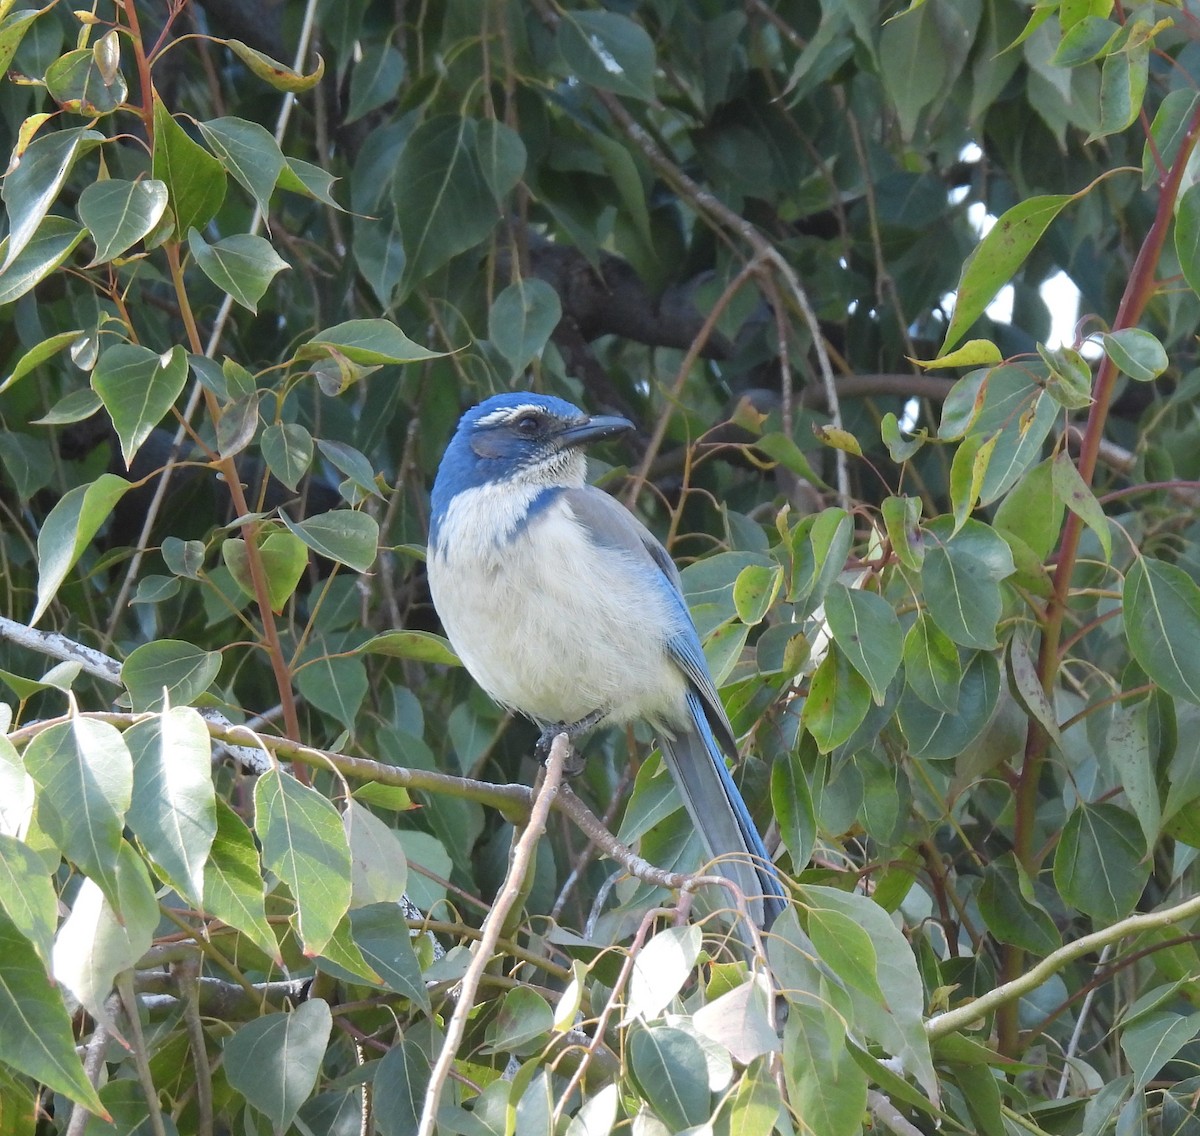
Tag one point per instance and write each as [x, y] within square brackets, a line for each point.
[613, 526]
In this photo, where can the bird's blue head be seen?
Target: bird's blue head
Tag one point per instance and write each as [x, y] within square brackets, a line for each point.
[530, 440]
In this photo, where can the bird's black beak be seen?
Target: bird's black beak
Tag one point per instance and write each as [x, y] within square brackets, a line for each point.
[593, 429]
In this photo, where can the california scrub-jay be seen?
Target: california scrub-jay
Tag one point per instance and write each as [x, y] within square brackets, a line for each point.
[562, 605]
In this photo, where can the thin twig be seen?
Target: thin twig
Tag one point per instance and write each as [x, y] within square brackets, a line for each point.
[93, 1066]
[1077, 1032]
[520, 860]
[141, 1062]
[214, 339]
[716, 210]
[186, 974]
[953, 1020]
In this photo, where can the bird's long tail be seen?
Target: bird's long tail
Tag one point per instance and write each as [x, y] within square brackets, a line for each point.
[721, 817]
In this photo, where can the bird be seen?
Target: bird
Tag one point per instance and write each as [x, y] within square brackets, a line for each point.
[565, 608]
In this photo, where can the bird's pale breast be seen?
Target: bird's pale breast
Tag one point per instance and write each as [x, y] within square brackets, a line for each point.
[547, 623]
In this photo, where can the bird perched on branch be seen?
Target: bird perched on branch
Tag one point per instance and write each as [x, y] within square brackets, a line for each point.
[563, 606]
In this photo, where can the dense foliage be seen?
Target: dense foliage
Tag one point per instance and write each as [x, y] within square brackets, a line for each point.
[946, 572]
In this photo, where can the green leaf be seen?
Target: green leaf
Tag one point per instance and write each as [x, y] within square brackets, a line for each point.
[183, 557]
[973, 353]
[304, 845]
[669, 1069]
[25, 463]
[1069, 381]
[1171, 127]
[792, 805]
[1122, 86]
[1086, 40]
[1031, 511]
[1136, 353]
[249, 152]
[375, 80]
[501, 155]
[838, 700]
[996, 258]
[1071, 489]
[173, 812]
[233, 885]
[274, 1060]
[379, 255]
[931, 666]
[242, 265]
[824, 1084]
[379, 869]
[1162, 624]
[342, 535]
[194, 179]
[27, 896]
[77, 83]
[86, 776]
[302, 177]
[660, 969]
[755, 590]
[1100, 865]
[830, 538]
[37, 355]
[902, 519]
[444, 204]
[118, 214]
[33, 186]
[284, 558]
[287, 448]
[846, 949]
[366, 342]
[54, 240]
[273, 72]
[961, 579]
[865, 627]
[1152, 1041]
[1028, 689]
[422, 646]
[1187, 235]
[105, 935]
[916, 64]
[401, 1081]
[524, 1016]
[609, 51]
[1128, 746]
[967, 471]
[354, 464]
[168, 670]
[896, 1018]
[138, 388]
[899, 448]
[73, 407]
[1012, 914]
[35, 1028]
[521, 319]
[12, 31]
[335, 685]
[936, 734]
[755, 1104]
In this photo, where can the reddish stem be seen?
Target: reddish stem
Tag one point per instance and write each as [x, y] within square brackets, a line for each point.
[1139, 290]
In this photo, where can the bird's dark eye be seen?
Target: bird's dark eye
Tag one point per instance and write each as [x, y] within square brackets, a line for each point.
[528, 425]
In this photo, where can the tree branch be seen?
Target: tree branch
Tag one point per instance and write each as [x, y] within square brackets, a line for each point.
[520, 859]
[953, 1020]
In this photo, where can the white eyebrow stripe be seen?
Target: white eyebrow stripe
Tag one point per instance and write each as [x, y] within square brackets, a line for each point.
[509, 414]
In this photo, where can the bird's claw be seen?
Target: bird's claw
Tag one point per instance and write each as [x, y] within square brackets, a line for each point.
[575, 762]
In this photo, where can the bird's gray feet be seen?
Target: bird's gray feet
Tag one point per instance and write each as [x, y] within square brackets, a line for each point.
[573, 730]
